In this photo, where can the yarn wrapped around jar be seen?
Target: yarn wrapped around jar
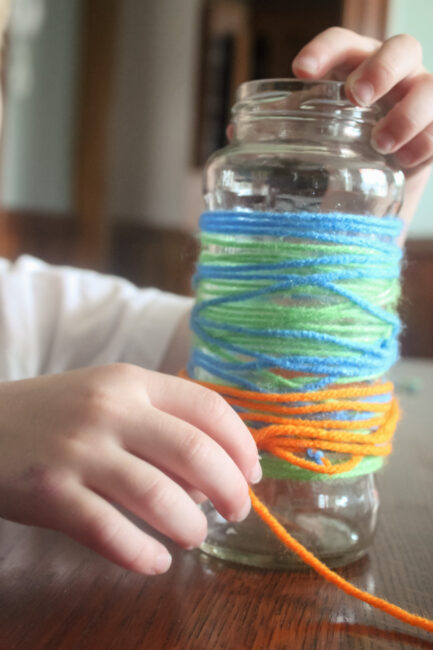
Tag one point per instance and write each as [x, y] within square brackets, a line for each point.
[297, 287]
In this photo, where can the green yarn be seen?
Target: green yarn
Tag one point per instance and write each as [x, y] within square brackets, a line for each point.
[277, 468]
[295, 310]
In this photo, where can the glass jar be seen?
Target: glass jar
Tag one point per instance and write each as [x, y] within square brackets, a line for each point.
[300, 147]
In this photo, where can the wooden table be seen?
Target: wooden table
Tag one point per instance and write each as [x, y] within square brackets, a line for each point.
[56, 595]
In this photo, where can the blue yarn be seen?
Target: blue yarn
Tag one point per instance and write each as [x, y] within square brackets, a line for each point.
[370, 360]
[310, 222]
[218, 271]
[332, 369]
[331, 227]
[316, 455]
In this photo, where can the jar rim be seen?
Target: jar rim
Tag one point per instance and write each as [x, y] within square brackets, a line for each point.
[248, 89]
[329, 96]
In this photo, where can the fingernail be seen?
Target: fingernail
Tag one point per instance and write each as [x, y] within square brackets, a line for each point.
[256, 474]
[243, 513]
[307, 63]
[383, 142]
[363, 92]
[162, 562]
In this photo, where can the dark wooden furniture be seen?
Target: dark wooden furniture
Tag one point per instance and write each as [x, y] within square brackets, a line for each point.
[258, 40]
[416, 306]
[55, 595]
[98, 58]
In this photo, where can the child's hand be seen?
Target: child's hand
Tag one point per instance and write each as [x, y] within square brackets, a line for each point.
[73, 444]
[391, 73]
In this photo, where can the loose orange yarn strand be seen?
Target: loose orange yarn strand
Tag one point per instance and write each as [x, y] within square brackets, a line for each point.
[312, 561]
[284, 436]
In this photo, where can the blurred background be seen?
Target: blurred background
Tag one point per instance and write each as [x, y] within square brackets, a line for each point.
[111, 108]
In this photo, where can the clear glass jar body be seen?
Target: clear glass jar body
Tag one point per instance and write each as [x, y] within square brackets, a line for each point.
[301, 147]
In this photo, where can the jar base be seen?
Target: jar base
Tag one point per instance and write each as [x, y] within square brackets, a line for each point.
[286, 561]
[252, 543]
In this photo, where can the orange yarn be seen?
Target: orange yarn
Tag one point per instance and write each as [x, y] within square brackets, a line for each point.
[284, 436]
[312, 561]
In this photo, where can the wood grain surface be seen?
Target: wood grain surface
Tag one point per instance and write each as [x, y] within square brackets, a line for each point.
[56, 595]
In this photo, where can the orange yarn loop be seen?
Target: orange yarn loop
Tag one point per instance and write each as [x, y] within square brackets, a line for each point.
[283, 439]
[284, 436]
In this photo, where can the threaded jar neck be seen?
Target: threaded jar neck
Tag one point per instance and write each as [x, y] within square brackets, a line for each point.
[281, 109]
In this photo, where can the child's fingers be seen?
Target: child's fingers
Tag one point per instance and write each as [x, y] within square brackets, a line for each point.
[407, 118]
[330, 49]
[210, 413]
[92, 521]
[177, 447]
[150, 494]
[396, 59]
[418, 151]
[197, 496]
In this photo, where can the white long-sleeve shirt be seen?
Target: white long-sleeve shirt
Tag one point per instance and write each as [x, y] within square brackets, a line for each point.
[54, 319]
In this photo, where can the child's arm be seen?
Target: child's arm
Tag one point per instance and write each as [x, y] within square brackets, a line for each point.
[54, 319]
[391, 73]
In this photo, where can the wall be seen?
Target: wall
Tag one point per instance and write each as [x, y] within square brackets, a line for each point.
[41, 90]
[153, 115]
[415, 17]
[151, 130]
